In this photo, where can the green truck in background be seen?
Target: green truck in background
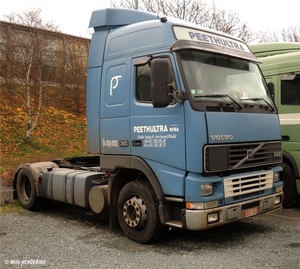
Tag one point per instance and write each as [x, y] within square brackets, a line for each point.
[280, 64]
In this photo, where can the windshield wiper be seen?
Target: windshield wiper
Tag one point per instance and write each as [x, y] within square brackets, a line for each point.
[218, 96]
[261, 99]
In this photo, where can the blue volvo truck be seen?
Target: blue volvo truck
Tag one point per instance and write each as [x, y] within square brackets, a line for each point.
[182, 131]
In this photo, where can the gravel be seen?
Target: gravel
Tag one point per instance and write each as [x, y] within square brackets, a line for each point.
[65, 237]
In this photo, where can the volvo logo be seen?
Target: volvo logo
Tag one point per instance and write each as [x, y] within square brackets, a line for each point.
[250, 154]
[221, 137]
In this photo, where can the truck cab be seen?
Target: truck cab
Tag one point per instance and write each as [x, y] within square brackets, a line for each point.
[280, 64]
[186, 108]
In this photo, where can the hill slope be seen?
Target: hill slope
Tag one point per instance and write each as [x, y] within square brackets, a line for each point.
[58, 134]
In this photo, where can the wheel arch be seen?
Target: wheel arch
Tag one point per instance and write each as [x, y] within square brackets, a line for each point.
[115, 164]
[128, 168]
[289, 160]
[37, 170]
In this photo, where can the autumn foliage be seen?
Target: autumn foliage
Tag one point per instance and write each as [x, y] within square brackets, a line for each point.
[59, 133]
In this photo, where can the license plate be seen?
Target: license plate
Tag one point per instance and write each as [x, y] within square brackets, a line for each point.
[251, 212]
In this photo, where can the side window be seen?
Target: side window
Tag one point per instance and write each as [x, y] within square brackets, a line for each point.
[143, 82]
[290, 89]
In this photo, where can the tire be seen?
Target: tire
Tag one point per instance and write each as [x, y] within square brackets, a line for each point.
[26, 191]
[138, 212]
[289, 186]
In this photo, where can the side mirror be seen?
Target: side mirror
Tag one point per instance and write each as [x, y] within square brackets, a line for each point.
[271, 88]
[160, 78]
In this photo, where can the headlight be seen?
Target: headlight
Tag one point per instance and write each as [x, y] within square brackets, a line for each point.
[201, 206]
[276, 176]
[207, 189]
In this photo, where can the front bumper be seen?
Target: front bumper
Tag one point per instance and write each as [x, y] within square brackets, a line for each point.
[214, 217]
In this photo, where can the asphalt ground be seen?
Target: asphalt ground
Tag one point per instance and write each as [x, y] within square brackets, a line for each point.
[62, 236]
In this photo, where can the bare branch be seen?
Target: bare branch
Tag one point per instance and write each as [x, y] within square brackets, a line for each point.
[291, 34]
[195, 11]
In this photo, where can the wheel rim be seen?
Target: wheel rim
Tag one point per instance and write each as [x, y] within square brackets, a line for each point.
[25, 188]
[135, 212]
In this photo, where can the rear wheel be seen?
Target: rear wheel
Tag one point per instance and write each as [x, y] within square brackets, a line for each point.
[289, 186]
[138, 212]
[26, 191]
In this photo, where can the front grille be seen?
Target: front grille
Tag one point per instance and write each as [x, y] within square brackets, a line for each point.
[250, 205]
[235, 156]
[238, 187]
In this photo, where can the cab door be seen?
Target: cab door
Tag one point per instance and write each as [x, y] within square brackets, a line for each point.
[158, 134]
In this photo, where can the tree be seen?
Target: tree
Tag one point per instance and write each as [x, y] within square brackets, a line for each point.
[290, 34]
[228, 22]
[27, 62]
[74, 70]
[195, 11]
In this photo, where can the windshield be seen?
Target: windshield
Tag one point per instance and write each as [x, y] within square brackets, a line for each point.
[214, 76]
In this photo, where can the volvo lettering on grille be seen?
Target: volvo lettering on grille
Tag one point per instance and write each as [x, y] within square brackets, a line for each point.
[221, 137]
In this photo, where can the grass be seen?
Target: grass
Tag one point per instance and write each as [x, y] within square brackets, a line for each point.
[58, 134]
[10, 207]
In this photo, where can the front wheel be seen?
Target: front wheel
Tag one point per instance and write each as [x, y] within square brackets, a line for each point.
[290, 197]
[26, 191]
[138, 212]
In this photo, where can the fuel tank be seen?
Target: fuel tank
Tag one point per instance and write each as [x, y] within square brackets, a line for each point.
[69, 186]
